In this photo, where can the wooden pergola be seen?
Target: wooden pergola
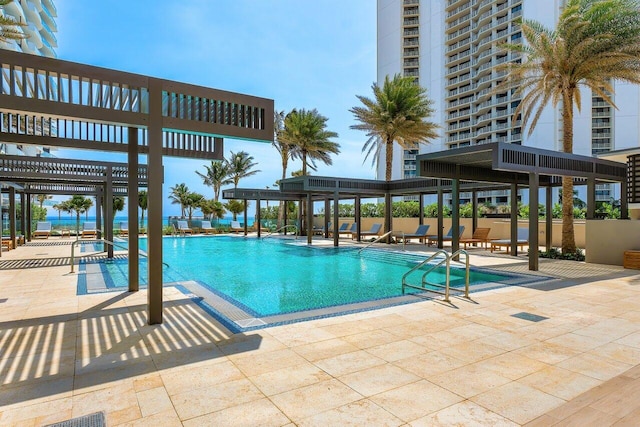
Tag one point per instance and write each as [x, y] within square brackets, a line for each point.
[50, 102]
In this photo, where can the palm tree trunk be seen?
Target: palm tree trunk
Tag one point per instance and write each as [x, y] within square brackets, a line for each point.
[281, 206]
[389, 159]
[568, 237]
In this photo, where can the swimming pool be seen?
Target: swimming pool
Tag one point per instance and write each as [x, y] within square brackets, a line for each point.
[272, 277]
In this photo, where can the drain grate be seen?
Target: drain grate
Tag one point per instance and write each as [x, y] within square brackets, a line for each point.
[529, 316]
[91, 420]
[3, 300]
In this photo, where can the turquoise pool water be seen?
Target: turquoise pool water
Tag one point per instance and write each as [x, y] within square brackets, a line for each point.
[272, 276]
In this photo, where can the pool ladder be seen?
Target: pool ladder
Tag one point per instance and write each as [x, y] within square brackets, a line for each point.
[447, 261]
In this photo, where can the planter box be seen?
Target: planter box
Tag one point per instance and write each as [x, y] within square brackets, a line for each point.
[631, 260]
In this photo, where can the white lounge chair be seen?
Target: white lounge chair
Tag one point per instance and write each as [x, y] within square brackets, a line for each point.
[89, 230]
[43, 230]
[236, 227]
[206, 227]
[183, 228]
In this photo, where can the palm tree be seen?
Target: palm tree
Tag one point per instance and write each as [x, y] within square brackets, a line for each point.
[595, 43]
[9, 27]
[42, 197]
[240, 165]
[235, 207]
[398, 113]
[118, 205]
[143, 203]
[211, 208]
[178, 196]
[306, 134]
[58, 207]
[217, 175]
[193, 202]
[78, 204]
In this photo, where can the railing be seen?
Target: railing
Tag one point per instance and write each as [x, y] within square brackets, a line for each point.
[446, 286]
[294, 227]
[108, 242]
[377, 240]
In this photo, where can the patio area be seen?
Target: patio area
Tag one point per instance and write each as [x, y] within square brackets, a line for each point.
[565, 352]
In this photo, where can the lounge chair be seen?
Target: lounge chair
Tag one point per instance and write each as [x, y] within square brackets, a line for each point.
[6, 241]
[89, 230]
[421, 233]
[373, 231]
[446, 238]
[124, 229]
[183, 228]
[43, 229]
[236, 227]
[343, 228]
[206, 227]
[481, 235]
[353, 229]
[522, 240]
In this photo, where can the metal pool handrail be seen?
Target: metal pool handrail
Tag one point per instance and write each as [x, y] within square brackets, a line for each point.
[109, 242]
[284, 227]
[377, 240]
[446, 286]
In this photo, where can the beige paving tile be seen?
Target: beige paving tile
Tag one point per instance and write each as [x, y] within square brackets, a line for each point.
[595, 366]
[560, 382]
[111, 399]
[378, 379]
[262, 362]
[463, 414]
[517, 402]
[214, 398]
[632, 340]
[259, 413]
[367, 339]
[164, 419]
[415, 400]
[397, 350]
[577, 342]
[547, 352]
[181, 379]
[429, 364]
[512, 365]
[308, 401]
[507, 341]
[360, 413]
[324, 349]
[458, 380]
[542, 421]
[28, 413]
[290, 378]
[619, 352]
[153, 401]
[349, 362]
[472, 351]
[147, 382]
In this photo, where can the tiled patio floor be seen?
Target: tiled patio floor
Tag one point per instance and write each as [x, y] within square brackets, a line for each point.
[422, 364]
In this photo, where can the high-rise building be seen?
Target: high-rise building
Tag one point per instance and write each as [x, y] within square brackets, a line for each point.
[40, 26]
[452, 48]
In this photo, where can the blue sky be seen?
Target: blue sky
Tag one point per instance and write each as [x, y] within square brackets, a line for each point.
[301, 54]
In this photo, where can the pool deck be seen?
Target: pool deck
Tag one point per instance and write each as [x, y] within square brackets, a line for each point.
[486, 362]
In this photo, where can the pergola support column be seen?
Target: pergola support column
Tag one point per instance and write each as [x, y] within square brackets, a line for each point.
[309, 219]
[591, 198]
[440, 214]
[327, 216]
[132, 211]
[358, 217]
[474, 213]
[245, 219]
[549, 218]
[514, 220]
[421, 209]
[533, 221]
[336, 218]
[154, 199]
[29, 218]
[624, 200]
[257, 222]
[455, 215]
[108, 214]
[12, 215]
[23, 216]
